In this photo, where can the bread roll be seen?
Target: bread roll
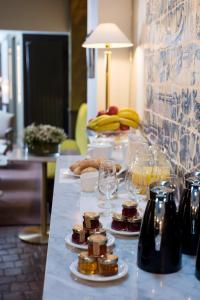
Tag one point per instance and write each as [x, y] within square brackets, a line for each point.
[90, 169]
[77, 171]
[74, 165]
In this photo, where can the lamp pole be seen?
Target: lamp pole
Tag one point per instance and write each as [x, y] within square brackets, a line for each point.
[108, 58]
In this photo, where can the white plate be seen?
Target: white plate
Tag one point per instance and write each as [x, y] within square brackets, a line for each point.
[67, 172]
[123, 270]
[68, 241]
[125, 233]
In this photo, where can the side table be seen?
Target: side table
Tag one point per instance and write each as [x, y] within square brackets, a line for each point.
[35, 234]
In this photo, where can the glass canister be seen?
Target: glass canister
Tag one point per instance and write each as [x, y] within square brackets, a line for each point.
[129, 208]
[159, 246]
[91, 220]
[86, 264]
[78, 234]
[108, 266]
[97, 245]
[189, 215]
[133, 224]
[118, 222]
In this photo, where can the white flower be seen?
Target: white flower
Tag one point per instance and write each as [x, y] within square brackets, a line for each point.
[43, 134]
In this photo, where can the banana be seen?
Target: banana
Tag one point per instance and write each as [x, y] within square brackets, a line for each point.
[95, 121]
[129, 114]
[108, 127]
[128, 122]
[108, 120]
[126, 109]
[103, 120]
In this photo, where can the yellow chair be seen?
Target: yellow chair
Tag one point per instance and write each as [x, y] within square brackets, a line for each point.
[77, 146]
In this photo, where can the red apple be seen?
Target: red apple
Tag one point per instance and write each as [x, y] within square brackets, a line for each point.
[101, 112]
[113, 110]
[124, 127]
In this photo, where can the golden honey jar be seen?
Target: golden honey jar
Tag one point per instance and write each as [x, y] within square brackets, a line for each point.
[108, 266]
[97, 245]
[87, 264]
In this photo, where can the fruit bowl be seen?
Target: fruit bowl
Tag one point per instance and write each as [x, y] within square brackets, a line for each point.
[108, 133]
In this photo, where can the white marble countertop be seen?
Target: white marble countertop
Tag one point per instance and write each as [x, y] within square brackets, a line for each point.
[68, 205]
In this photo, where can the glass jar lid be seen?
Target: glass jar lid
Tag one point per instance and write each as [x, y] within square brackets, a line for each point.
[100, 231]
[129, 204]
[77, 228]
[109, 259]
[118, 217]
[83, 257]
[134, 219]
[97, 239]
[91, 215]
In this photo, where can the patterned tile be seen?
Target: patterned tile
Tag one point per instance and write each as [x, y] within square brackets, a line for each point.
[172, 72]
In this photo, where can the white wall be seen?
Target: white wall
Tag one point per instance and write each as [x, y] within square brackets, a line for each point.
[120, 13]
[137, 78]
[36, 15]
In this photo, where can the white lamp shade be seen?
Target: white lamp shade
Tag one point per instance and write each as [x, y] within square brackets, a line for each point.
[107, 34]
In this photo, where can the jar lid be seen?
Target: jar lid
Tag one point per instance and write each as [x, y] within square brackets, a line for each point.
[129, 204]
[97, 238]
[91, 215]
[77, 228]
[100, 231]
[134, 219]
[109, 259]
[83, 256]
[118, 217]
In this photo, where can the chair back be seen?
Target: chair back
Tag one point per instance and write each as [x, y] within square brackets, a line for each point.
[80, 131]
[6, 122]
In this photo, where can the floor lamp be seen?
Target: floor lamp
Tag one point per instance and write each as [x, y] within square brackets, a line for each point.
[107, 36]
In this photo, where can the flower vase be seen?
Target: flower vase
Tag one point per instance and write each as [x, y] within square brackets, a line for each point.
[43, 149]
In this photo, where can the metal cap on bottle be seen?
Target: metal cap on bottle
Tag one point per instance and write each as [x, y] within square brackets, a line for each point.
[162, 190]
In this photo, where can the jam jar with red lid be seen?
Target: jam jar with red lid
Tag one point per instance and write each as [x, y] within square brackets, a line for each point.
[133, 224]
[129, 208]
[78, 234]
[118, 222]
[97, 245]
[91, 220]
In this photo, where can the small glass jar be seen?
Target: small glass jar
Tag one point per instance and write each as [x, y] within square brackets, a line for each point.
[87, 265]
[129, 208]
[118, 222]
[97, 245]
[133, 224]
[89, 232]
[78, 235]
[91, 220]
[108, 266]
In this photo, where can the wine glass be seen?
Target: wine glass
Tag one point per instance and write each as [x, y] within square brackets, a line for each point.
[107, 182]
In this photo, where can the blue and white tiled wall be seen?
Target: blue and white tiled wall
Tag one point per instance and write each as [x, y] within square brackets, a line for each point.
[172, 79]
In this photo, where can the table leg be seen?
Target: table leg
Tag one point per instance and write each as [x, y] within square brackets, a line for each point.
[38, 234]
